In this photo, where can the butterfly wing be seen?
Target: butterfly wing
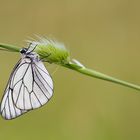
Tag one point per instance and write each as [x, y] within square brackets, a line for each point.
[34, 89]
[8, 108]
[30, 86]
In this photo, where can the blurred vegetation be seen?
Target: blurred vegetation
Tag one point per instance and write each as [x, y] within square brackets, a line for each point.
[103, 35]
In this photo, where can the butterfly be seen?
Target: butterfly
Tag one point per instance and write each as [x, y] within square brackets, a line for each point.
[30, 86]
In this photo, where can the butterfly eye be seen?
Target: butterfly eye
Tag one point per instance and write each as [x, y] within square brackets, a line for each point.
[23, 51]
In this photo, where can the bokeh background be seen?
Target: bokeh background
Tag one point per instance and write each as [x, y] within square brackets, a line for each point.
[103, 35]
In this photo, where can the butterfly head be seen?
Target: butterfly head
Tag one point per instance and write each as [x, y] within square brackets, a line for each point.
[23, 50]
[29, 54]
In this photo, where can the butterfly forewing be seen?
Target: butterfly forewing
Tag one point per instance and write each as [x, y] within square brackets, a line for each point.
[30, 86]
[8, 108]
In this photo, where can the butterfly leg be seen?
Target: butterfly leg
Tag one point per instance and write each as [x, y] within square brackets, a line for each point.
[43, 59]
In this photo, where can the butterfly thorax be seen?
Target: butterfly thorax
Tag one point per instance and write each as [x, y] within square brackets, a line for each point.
[33, 56]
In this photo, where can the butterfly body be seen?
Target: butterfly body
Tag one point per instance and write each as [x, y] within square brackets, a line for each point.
[29, 87]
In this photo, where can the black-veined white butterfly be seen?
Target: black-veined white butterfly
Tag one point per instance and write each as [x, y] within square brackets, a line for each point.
[30, 86]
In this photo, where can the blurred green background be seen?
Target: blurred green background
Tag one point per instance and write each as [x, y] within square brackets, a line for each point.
[103, 35]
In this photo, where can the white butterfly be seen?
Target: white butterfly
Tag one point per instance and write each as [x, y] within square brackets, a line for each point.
[30, 86]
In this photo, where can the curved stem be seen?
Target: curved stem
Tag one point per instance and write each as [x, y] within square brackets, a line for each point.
[99, 75]
[80, 68]
[7, 47]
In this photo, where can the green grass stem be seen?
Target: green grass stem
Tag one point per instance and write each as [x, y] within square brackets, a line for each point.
[79, 68]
